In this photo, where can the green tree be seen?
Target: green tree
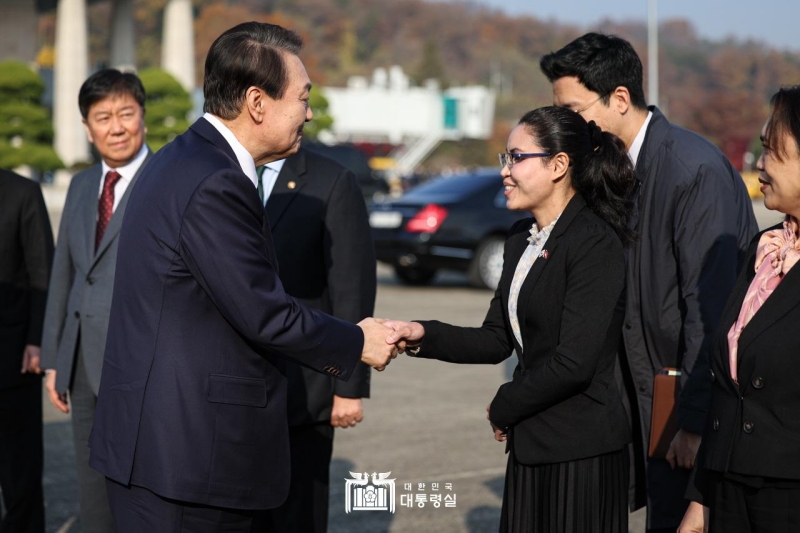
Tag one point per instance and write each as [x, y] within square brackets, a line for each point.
[166, 107]
[26, 130]
[322, 120]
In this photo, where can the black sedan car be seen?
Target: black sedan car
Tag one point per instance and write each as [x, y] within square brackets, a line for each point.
[458, 223]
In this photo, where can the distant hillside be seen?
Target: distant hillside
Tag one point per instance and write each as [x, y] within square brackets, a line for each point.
[720, 89]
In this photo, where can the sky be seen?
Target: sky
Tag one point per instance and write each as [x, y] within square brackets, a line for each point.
[776, 22]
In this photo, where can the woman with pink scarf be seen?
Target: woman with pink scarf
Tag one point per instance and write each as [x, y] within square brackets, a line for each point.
[747, 477]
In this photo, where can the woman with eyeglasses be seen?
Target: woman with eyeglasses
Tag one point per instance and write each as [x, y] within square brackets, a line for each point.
[748, 467]
[559, 304]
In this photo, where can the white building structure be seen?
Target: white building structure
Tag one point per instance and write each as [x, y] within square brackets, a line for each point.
[416, 119]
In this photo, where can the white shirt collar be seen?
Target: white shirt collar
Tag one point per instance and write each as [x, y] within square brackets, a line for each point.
[638, 141]
[242, 155]
[128, 171]
[276, 165]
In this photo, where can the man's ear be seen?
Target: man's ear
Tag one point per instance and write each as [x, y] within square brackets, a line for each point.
[256, 101]
[620, 100]
[88, 131]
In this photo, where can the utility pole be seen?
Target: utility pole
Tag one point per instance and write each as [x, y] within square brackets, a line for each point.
[652, 52]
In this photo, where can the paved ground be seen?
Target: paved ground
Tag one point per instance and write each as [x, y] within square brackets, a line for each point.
[425, 423]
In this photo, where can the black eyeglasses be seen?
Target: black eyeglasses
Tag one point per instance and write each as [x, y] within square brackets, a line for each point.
[590, 104]
[507, 159]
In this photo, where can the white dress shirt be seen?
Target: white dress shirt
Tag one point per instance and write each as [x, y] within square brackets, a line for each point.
[270, 176]
[126, 175]
[241, 153]
[638, 141]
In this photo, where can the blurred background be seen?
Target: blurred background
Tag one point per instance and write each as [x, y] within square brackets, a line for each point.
[416, 98]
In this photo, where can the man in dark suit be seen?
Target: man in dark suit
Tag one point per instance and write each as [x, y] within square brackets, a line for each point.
[76, 322]
[694, 219]
[26, 252]
[190, 428]
[324, 247]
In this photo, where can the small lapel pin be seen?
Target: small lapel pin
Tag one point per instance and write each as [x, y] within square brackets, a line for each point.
[291, 185]
[544, 253]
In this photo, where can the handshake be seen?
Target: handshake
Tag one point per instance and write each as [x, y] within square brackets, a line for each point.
[384, 339]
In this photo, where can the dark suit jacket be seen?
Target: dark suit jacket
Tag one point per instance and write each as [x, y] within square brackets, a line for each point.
[562, 403]
[192, 402]
[26, 253]
[326, 255]
[754, 427]
[694, 219]
[79, 300]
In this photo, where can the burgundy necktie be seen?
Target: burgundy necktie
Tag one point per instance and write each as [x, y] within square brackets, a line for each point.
[105, 207]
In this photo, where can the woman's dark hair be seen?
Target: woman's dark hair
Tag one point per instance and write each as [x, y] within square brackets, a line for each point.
[784, 123]
[109, 82]
[247, 55]
[601, 169]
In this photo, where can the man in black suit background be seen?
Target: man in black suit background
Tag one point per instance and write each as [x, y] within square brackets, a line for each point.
[26, 254]
[324, 247]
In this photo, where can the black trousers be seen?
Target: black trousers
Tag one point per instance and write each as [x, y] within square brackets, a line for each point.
[21, 457]
[94, 510]
[738, 508]
[138, 510]
[306, 508]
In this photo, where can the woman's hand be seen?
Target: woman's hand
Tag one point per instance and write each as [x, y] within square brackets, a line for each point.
[405, 335]
[695, 520]
[499, 434]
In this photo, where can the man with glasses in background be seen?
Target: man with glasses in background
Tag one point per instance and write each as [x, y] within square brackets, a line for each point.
[694, 220]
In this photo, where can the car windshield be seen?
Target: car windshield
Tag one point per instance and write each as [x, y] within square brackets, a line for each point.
[453, 189]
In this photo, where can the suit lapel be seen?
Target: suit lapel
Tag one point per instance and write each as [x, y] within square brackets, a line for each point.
[88, 212]
[115, 223]
[548, 250]
[294, 172]
[731, 312]
[780, 302]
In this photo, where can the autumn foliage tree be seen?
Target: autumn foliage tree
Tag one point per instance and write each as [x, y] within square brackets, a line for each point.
[719, 89]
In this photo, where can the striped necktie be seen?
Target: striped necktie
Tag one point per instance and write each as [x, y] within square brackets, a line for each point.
[260, 184]
[105, 206]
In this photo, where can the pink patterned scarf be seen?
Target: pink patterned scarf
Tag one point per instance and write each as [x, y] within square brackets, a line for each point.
[778, 251]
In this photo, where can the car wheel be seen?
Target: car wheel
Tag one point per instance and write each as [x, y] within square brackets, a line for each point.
[414, 275]
[487, 266]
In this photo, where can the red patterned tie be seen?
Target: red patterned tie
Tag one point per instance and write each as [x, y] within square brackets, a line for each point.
[105, 207]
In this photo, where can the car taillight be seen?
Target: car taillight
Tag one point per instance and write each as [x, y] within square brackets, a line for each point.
[427, 220]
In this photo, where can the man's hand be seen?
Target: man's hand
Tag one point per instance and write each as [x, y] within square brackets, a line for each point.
[695, 520]
[59, 401]
[499, 434]
[346, 412]
[683, 449]
[30, 360]
[377, 352]
[405, 335]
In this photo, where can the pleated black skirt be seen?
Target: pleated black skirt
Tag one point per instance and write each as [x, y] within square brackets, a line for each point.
[584, 496]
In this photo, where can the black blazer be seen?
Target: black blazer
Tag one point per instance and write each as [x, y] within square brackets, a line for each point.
[326, 255]
[562, 403]
[754, 427]
[26, 256]
[192, 401]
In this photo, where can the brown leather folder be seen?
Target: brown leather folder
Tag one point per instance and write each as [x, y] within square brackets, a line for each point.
[664, 417]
